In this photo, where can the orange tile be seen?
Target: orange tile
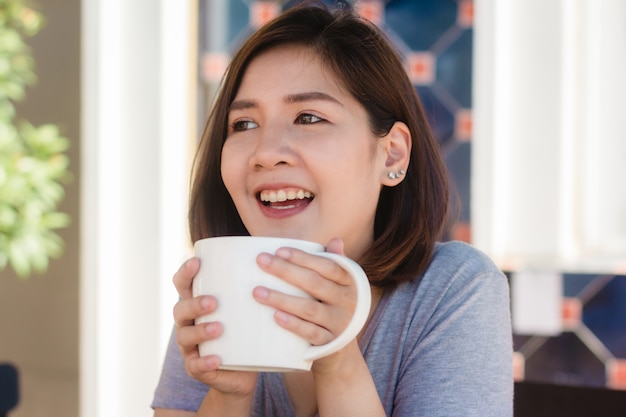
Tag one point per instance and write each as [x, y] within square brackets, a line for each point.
[262, 12]
[463, 125]
[519, 366]
[616, 373]
[421, 67]
[465, 17]
[372, 10]
[571, 313]
[462, 231]
[213, 66]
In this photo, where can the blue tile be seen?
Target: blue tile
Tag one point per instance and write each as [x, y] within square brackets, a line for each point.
[454, 68]
[238, 24]
[519, 341]
[329, 3]
[420, 23]
[574, 284]
[440, 119]
[605, 315]
[565, 360]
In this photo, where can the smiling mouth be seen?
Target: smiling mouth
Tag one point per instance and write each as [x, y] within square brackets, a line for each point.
[287, 198]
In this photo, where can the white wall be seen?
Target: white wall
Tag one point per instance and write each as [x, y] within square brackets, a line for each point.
[137, 78]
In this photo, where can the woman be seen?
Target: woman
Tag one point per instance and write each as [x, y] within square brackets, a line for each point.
[318, 134]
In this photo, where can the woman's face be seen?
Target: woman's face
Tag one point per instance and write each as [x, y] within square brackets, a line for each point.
[300, 160]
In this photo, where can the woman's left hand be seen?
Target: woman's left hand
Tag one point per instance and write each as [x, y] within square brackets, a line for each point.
[318, 320]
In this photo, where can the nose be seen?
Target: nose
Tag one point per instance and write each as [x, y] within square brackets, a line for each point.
[272, 148]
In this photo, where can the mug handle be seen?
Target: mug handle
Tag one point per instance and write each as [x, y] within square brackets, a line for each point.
[364, 300]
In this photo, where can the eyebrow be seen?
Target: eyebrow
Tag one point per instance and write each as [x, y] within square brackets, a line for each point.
[242, 105]
[312, 96]
[291, 98]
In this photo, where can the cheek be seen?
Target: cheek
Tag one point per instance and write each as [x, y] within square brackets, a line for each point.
[229, 169]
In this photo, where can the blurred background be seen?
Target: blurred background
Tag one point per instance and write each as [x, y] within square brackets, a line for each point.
[524, 98]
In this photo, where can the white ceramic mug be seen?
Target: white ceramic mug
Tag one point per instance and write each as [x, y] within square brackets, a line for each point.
[252, 340]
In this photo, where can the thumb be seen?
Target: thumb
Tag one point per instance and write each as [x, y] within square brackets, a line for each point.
[335, 246]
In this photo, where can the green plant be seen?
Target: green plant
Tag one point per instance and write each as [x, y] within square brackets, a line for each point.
[33, 160]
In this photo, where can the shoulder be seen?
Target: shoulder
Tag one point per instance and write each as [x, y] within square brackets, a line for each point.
[460, 257]
[455, 263]
[458, 269]
[457, 309]
[457, 273]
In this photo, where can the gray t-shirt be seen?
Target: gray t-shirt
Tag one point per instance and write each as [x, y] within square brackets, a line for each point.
[439, 345]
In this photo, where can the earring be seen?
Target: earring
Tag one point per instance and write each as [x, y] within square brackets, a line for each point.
[394, 175]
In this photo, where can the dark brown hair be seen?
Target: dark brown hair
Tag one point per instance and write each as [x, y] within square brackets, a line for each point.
[409, 216]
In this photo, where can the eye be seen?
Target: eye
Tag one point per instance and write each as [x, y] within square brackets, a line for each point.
[243, 125]
[307, 119]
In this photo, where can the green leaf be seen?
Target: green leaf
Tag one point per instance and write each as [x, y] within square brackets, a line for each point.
[55, 220]
[33, 160]
[18, 258]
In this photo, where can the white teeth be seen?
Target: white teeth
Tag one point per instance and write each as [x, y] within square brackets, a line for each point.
[282, 195]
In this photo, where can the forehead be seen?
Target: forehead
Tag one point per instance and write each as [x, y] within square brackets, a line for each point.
[289, 67]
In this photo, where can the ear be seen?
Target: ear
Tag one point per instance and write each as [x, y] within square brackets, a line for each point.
[397, 147]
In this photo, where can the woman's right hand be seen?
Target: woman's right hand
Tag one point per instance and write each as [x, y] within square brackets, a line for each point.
[188, 335]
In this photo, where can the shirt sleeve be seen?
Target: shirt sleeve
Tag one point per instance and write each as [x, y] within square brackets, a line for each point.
[460, 361]
[176, 389]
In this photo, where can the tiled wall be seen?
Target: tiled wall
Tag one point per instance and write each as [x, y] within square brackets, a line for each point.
[434, 38]
[590, 349]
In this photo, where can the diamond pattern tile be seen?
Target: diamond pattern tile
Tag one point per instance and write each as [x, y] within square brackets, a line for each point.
[420, 23]
[565, 359]
[605, 315]
[591, 350]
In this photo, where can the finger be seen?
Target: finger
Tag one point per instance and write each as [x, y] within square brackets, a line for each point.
[311, 332]
[183, 278]
[313, 320]
[326, 268]
[187, 310]
[320, 277]
[189, 337]
[304, 308]
[198, 366]
[335, 246]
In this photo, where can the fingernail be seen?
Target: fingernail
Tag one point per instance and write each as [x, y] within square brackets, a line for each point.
[205, 302]
[189, 262]
[261, 293]
[213, 362]
[281, 316]
[212, 329]
[284, 253]
[264, 259]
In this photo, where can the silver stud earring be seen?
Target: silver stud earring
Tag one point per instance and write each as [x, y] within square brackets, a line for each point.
[394, 175]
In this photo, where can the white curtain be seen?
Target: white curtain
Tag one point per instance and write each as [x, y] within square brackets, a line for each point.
[549, 151]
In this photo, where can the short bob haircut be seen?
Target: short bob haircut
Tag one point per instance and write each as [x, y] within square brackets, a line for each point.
[410, 216]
